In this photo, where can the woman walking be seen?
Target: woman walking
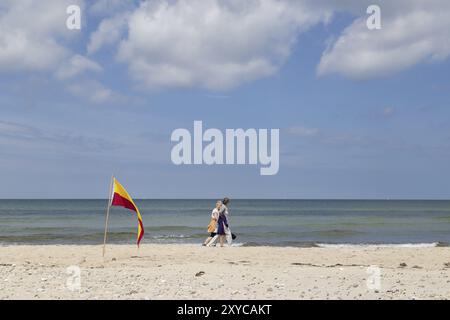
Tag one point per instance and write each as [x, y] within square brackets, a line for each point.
[222, 222]
[212, 227]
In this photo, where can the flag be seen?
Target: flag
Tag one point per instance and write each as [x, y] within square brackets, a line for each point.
[121, 198]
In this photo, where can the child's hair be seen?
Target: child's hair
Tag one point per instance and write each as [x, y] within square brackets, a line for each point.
[225, 201]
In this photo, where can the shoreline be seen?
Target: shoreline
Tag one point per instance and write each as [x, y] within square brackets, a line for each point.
[305, 245]
[194, 272]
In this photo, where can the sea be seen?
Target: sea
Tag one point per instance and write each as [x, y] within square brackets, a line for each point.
[296, 223]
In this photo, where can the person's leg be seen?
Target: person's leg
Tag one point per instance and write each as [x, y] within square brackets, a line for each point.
[207, 241]
[222, 238]
[210, 238]
[228, 236]
[213, 241]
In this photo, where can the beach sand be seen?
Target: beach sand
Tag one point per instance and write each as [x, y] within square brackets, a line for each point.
[195, 272]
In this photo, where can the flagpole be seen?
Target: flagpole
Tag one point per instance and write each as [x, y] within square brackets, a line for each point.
[107, 214]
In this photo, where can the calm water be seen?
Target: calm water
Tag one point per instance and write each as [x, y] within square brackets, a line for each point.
[256, 222]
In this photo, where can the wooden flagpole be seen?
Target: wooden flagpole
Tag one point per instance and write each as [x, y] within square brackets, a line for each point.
[107, 214]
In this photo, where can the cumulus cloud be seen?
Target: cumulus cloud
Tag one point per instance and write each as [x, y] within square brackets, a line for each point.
[34, 38]
[222, 44]
[93, 91]
[413, 31]
[108, 7]
[208, 44]
[33, 34]
[76, 66]
[219, 44]
[109, 32]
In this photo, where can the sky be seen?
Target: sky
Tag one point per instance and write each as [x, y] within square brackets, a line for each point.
[363, 114]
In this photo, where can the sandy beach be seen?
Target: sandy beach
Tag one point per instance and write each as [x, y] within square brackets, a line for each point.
[194, 272]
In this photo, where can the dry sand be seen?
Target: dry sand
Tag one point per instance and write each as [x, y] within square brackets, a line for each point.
[194, 272]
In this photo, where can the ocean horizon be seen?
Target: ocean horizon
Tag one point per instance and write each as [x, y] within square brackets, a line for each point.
[256, 222]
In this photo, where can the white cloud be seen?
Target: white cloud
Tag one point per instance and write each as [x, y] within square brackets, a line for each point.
[213, 44]
[220, 44]
[108, 32]
[32, 34]
[93, 91]
[108, 7]
[34, 38]
[76, 66]
[413, 31]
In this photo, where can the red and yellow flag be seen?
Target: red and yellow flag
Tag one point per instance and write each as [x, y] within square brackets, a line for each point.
[121, 198]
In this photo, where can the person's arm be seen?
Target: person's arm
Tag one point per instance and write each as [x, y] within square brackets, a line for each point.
[215, 214]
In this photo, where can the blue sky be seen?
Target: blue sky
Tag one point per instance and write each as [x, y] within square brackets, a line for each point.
[348, 133]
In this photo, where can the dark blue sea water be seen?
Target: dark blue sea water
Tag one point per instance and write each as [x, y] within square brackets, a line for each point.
[256, 222]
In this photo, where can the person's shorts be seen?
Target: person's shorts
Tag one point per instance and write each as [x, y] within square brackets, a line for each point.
[212, 234]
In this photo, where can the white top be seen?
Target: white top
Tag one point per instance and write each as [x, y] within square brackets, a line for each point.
[215, 214]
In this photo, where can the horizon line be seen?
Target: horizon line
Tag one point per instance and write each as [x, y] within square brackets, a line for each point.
[268, 199]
